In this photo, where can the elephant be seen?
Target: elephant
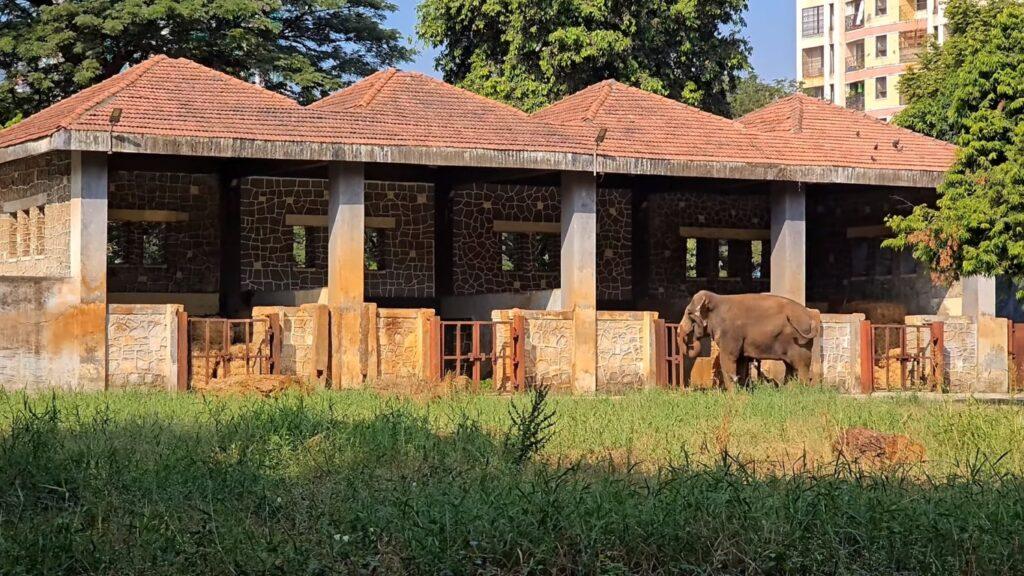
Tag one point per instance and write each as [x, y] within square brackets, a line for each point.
[751, 327]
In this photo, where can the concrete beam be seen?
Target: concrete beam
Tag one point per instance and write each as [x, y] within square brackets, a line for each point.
[345, 270]
[87, 311]
[789, 240]
[579, 273]
[474, 158]
[979, 296]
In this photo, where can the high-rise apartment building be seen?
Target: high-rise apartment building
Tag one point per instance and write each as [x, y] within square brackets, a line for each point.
[852, 52]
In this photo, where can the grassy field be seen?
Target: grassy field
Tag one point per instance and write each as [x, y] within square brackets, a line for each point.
[361, 483]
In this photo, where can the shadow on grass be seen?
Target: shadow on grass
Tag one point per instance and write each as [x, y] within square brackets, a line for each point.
[289, 487]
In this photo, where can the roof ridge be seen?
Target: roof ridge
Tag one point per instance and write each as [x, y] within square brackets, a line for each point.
[798, 117]
[673, 101]
[598, 103]
[466, 91]
[233, 79]
[378, 85]
[128, 77]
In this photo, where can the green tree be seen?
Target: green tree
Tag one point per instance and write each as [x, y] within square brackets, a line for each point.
[751, 93]
[531, 52]
[50, 49]
[970, 91]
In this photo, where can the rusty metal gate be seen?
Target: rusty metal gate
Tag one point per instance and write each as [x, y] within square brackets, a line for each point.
[901, 357]
[671, 360]
[480, 351]
[215, 348]
[1016, 348]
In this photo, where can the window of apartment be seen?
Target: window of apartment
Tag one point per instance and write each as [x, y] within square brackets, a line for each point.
[691, 257]
[813, 21]
[922, 4]
[154, 244]
[855, 96]
[816, 92]
[855, 56]
[881, 87]
[374, 249]
[881, 7]
[882, 45]
[813, 61]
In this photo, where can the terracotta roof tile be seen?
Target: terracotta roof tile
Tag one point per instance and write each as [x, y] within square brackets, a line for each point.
[640, 123]
[179, 98]
[843, 137]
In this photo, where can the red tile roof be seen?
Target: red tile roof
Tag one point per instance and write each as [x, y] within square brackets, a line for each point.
[178, 98]
[640, 123]
[843, 137]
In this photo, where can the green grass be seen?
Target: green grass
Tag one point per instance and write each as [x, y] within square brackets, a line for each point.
[360, 483]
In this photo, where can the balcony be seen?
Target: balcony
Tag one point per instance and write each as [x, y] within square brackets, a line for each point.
[855, 102]
[854, 22]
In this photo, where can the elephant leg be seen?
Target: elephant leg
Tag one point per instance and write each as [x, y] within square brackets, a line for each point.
[743, 371]
[799, 362]
[729, 374]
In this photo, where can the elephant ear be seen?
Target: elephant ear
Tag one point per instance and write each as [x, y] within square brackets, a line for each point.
[703, 307]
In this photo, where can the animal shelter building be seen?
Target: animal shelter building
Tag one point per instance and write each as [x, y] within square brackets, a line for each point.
[173, 224]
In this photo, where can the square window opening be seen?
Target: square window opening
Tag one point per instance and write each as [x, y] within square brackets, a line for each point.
[375, 249]
[154, 244]
[691, 257]
[723, 258]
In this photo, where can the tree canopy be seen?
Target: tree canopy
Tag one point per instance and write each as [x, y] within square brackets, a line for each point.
[970, 91]
[50, 49]
[530, 53]
[752, 93]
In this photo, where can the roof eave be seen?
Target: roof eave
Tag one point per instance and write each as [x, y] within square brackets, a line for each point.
[35, 147]
[483, 158]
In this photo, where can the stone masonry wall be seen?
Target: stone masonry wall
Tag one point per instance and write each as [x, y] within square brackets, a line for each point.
[401, 344]
[268, 263]
[297, 325]
[840, 351]
[669, 287]
[477, 260]
[625, 353]
[142, 347]
[192, 247]
[35, 216]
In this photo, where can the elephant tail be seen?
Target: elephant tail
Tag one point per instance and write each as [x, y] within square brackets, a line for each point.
[814, 326]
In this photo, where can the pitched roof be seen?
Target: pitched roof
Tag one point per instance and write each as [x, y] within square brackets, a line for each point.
[640, 123]
[189, 108]
[151, 86]
[411, 96]
[844, 137]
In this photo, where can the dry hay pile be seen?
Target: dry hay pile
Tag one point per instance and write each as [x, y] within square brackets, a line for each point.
[873, 448]
[877, 312]
[263, 385]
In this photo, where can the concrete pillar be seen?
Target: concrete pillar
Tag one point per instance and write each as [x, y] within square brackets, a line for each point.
[789, 240]
[579, 273]
[345, 271]
[979, 296]
[88, 260]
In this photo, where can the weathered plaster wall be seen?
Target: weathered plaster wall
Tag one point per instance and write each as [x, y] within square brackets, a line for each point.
[267, 258]
[40, 186]
[192, 247]
[142, 347]
[477, 257]
[42, 328]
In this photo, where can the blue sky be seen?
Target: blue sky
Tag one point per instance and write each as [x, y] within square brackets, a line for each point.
[771, 28]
